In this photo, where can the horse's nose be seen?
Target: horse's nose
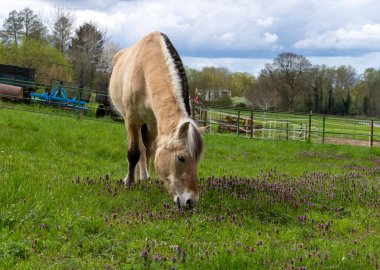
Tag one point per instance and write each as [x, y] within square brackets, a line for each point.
[186, 203]
[189, 204]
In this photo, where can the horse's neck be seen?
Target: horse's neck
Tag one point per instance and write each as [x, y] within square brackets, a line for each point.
[164, 103]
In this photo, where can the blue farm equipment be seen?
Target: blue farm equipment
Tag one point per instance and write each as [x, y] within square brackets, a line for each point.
[58, 97]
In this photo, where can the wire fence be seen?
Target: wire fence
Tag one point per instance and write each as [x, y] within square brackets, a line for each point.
[65, 99]
[58, 98]
[268, 125]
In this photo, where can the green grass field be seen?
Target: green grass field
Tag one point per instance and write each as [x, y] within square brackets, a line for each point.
[263, 205]
[288, 126]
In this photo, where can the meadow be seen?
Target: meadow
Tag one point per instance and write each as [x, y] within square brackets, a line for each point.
[263, 204]
[292, 126]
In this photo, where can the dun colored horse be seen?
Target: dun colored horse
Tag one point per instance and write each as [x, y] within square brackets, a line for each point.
[149, 88]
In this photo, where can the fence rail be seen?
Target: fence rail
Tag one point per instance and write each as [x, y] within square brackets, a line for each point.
[257, 124]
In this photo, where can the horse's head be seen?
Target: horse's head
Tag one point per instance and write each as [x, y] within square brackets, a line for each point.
[176, 163]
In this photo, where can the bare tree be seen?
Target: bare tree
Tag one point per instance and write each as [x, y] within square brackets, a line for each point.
[105, 63]
[264, 94]
[63, 28]
[289, 72]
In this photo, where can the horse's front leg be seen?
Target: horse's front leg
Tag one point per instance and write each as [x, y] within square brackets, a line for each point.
[133, 151]
[148, 136]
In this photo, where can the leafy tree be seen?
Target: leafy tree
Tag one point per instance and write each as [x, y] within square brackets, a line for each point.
[371, 79]
[85, 51]
[241, 82]
[21, 23]
[12, 29]
[32, 25]
[48, 62]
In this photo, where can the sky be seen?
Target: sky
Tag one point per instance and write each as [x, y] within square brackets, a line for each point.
[241, 35]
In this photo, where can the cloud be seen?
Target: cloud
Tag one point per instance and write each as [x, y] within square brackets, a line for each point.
[208, 26]
[250, 65]
[270, 38]
[367, 38]
[266, 22]
[237, 33]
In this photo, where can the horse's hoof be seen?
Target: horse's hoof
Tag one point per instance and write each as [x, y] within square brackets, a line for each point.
[128, 182]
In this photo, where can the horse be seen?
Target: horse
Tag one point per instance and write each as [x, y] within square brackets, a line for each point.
[149, 88]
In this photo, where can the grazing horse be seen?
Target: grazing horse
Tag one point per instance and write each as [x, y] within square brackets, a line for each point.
[149, 88]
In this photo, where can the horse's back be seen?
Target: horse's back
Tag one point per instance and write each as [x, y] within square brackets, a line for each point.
[127, 83]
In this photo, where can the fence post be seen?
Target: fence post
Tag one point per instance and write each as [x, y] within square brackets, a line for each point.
[311, 112]
[323, 128]
[251, 124]
[80, 88]
[204, 120]
[238, 123]
[372, 121]
[287, 129]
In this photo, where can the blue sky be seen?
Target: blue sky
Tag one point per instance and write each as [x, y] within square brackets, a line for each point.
[241, 35]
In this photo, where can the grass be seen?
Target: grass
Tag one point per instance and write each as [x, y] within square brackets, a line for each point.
[264, 204]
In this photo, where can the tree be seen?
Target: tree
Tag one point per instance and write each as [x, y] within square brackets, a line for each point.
[241, 82]
[21, 23]
[265, 92]
[85, 51]
[371, 78]
[63, 27]
[32, 25]
[12, 29]
[48, 62]
[109, 51]
[289, 72]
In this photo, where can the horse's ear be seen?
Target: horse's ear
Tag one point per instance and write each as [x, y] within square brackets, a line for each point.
[184, 128]
[203, 130]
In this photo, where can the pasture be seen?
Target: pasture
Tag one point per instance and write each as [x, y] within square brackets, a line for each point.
[291, 126]
[263, 204]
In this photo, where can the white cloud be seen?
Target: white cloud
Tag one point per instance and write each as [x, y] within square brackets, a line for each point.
[195, 25]
[270, 38]
[266, 22]
[367, 37]
[250, 30]
[250, 65]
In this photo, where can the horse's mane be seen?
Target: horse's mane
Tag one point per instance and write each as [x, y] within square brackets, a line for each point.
[195, 142]
[181, 73]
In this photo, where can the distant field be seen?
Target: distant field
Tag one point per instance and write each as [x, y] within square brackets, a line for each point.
[287, 126]
[264, 204]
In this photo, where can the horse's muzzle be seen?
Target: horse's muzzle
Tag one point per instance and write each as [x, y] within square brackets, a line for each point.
[188, 204]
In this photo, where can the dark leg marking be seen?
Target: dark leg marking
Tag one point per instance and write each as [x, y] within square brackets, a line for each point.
[133, 158]
[144, 134]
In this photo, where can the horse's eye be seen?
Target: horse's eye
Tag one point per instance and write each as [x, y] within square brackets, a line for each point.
[180, 158]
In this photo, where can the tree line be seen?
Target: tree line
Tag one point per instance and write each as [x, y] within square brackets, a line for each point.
[291, 83]
[58, 50]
